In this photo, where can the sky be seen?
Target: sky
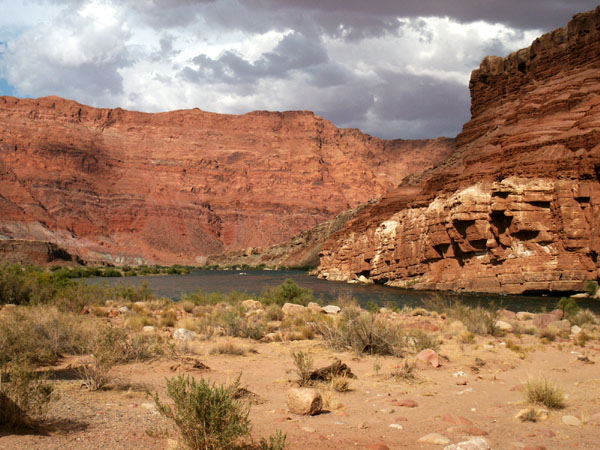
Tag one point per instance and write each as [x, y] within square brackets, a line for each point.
[392, 68]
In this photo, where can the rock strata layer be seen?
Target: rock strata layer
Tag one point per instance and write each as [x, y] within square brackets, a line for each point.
[124, 186]
[515, 209]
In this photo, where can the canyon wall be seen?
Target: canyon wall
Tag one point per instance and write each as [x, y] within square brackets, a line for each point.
[516, 208]
[129, 187]
[41, 253]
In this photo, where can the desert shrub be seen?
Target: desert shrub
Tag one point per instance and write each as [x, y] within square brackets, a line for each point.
[591, 287]
[478, 319]
[544, 392]
[303, 367]
[287, 292]
[569, 306]
[24, 396]
[548, 333]
[416, 340]
[274, 442]
[236, 324]
[187, 306]
[340, 383]
[139, 321]
[582, 338]
[362, 332]
[583, 317]
[168, 318]
[274, 312]
[207, 415]
[139, 293]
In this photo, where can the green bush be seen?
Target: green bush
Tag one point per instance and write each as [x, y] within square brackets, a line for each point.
[303, 366]
[287, 292]
[207, 415]
[569, 306]
[591, 287]
[477, 319]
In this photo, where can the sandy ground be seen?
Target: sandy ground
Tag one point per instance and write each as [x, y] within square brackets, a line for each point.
[488, 395]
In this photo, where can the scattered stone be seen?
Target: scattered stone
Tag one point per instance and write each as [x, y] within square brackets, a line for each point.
[523, 315]
[572, 421]
[575, 329]
[504, 326]
[183, 334]
[148, 329]
[595, 419]
[407, 403]
[509, 315]
[429, 356]
[331, 309]
[581, 295]
[540, 414]
[315, 307]
[304, 401]
[387, 410]
[459, 374]
[291, 309]
[150, 407]
[435, 439]
[397, 426]
[474, 431]
[123, 309]
[363, 426]
[473, 444]
[378, 446]
[252, 305]
[456, 420]
[308, 429]
[461, 382]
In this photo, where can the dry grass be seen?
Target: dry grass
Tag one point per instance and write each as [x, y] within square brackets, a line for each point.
[544, 392]
[228, 348]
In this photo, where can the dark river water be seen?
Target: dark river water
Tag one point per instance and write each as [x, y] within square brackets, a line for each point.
[253, 282]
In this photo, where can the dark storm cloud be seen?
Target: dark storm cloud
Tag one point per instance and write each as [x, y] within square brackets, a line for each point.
[294, 52]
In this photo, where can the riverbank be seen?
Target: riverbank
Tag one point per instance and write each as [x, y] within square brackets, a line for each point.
[460, 372]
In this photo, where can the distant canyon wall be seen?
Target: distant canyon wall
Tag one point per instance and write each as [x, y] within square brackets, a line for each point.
[516, 208]
[128, 187]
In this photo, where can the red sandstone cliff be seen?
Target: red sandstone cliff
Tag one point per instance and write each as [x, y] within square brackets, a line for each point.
[516, 208]
[172, 187]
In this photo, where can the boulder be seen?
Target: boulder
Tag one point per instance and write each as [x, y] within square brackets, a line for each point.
[543, 320]
[435, 439]
[503, 326]
[292, 309]
[572, 421]
[148, 329]
[182, 334]
[315, 307]
[562, 326]
[332, 309]
[524, 315]
[304, 401]
[429, 356]
[508, 315]
[251, 305]
[575, 329]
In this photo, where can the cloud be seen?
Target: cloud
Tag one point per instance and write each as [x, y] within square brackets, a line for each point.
[395, 69]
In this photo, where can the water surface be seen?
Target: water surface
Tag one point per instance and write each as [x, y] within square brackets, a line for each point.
[254, 281]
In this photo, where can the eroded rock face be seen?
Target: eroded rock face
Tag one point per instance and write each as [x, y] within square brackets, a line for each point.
[124, 186]
[40, 253]
[515, 208]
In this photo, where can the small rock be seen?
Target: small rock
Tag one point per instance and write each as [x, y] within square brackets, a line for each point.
[461, 383]
[150, 407]
[397, 426]
[595, 419]
[387, 410]
[456, 420]
[473, 444]
[575, 329]
[172, 444]
[543, 320]
[183, 334]
[572, 421]
[148, 329]
[378, 446]
[523, 315]
[291, 309]
[252, 305]
[435, 439]
[474, 431]
[580, 295]
[540, 414]
[304, 401]
[308, 429]
[503, 326]
[123, 309]
[457, 328]
[561, 325]
[315, 307]
[406, 403]
[557, 313]
[363, 426]
[331, 309]
[459, 374]
[509, 315]
[429, 356]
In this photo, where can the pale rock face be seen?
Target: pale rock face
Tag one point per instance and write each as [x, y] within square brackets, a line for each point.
[291, 309]
[514, 209]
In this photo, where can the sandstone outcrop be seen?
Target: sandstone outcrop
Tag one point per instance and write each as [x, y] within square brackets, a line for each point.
[515, 209]
[41, 253]
[123, 186]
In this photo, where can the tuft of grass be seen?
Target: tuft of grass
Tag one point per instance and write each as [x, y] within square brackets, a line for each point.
[340, 383]
[544, 392]
[415, 340]
[406, 373]
[303, 367]
[478, 320]
[531, 415]
[228, 348]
